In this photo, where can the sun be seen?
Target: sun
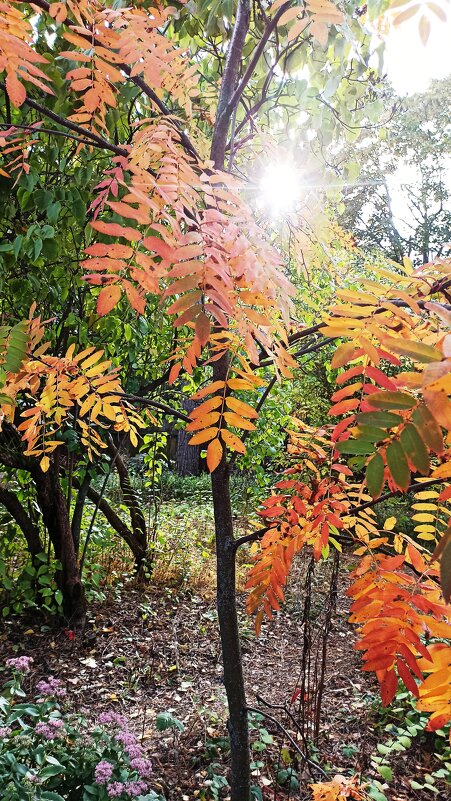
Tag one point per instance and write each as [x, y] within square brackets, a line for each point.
[280, 188]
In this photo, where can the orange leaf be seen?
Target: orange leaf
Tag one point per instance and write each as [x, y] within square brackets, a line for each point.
[214, 454]
[208, 390]
[239, 422]
[232, 441]
[136, 300]
[206, 406]
[203, 422]
[108, 298]
[204, 436]
[241, 408]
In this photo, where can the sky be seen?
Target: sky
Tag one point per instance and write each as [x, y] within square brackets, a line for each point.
[410, 64]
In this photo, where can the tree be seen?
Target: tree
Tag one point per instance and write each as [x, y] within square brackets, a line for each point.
[413, 152]
[168, 220]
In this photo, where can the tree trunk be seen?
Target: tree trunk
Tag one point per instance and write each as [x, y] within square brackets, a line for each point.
[187, 456]
[137, 519]
[228, 623]
[30, 531]
[55, 514]
[225, 544]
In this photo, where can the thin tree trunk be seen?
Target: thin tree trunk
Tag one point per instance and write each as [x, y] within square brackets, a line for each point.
[225, 544]
[137, 519]
[228, 622]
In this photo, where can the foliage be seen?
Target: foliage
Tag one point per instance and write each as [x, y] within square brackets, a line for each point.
[49, 754]
[391, 426]
[31, 587]
[169, 228]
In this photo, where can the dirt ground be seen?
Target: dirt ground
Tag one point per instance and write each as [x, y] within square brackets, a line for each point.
[144, 653]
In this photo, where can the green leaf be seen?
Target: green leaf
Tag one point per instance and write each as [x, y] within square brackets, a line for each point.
[370, 433]
[49, 795]
[428, 428]
[167, 721]
[51, 770]
[392, 400]
[415, 448]
[17, 347]
[358, 446]
[374, 475]
[382, 419]
[386, 772]
[397, 464]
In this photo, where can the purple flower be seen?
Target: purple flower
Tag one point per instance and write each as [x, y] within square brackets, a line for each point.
[4, 731]
[112, 717]
[136, 788]
[21, 663]
[142, 766]
[134, 751]
[125, 737]
[52, 687]
[50, 729]
[115, 789]
[103, 772]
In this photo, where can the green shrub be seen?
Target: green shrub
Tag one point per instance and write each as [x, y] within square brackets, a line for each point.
[48, 754]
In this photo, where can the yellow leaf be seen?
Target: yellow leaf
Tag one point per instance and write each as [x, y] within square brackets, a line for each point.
[389, 523]
[45, 463]
[444, 471]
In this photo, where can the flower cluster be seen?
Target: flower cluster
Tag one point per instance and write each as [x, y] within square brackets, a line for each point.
[107, 718]
[103, 772]
[5, 731]
[51, 687]
[21, 663]
[50, 729]
[138, 762]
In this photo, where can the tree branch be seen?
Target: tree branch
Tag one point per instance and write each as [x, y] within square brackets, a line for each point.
[417, 485]
[228, 83]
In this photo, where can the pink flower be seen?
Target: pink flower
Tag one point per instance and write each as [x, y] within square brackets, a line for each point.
[115, 789]
[142, 766]
[50, 729]
[52, 687]
[103, 772]
[21, 663]
[136, 788]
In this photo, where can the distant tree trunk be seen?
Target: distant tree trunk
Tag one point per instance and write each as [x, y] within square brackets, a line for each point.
[140, 538]
[187, 456]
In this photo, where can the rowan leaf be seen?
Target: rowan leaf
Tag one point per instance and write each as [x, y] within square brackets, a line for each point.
[415, 449]
[397, 464]
[379, 419]
[392, 400]
[238, 422]
[214, 454]
[374, 475]
[240, 407]
[204, 436]
[355, 446]
[428, 427]
[232, 441]
[108, 298]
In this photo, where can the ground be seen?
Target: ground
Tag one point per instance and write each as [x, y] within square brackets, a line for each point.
[145, 652]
